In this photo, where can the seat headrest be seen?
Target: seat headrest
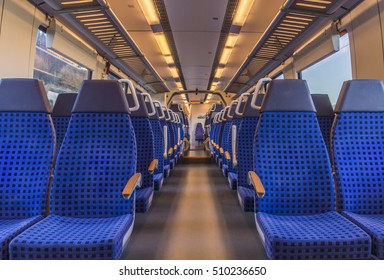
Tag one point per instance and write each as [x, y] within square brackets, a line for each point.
[288, 96]
[218, 108]
[231, 111]
[64, 104]
[23, 95]
[322, 104]
[241, 109]
[142, 111]
[250, 112]
[149, 109]
[361, 96]
[160, 113]
[101, 96]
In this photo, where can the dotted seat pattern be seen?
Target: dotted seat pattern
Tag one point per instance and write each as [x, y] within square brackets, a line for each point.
[219, 137]
[171, 140]
[166, 161]
[358, 151]
[297, 214]
[358, 156]
[158, 180]
[61, 125]
[245, 140]
[322, 236]
[224, 140]
[232, 180]
[143, 199]
[246, 198]
[235, 122]
[145, 155]
[88, 212]
[293, 164]
[10, 229]
[374, 226]
[27, 144]
[326, 123]
[159, 145]
[64, 238]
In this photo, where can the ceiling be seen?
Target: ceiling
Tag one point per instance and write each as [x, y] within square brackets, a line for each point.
[196, 27]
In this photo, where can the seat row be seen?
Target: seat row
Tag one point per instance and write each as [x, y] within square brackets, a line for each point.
[280, 151]
[70, 191]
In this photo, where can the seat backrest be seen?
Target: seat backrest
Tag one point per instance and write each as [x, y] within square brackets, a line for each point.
[61, 115]
[97, 156]
[27, 143]
[145, 142]
[358, 147]
[325, 116]
[291, 158]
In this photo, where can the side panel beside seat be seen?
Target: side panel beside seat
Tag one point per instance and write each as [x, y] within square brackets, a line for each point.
[27, 144]
[89, 218]
[358, 157]
[297, 216]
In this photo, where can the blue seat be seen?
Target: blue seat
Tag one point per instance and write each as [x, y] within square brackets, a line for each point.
[27, 144]
[358, 153]
[92, 198]
[297, 216]
[61, 115]
[325, 116]
[199, 132]
[158, 136]
[145, 145]
[245, 158]
[167, 139]
[226, 137]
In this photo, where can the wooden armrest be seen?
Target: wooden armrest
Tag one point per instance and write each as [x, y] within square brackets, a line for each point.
[255, 181]
[227, 156]
[153, 166]
[175, 147]
[221, 150]
[180, 142]
[170, 151]
[133, 182]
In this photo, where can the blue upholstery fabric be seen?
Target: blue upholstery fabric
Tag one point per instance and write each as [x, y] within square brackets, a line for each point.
[225, 169]
[245, 158]
[326, 127]
[199, 133]
[158, 180]
[143, 199]
[10, 229]
[89, 216]
[374, 226]
[301, 182]
[246, 198]
[224, 140]
[235, 122]
[159, 145]
[145, 155]
[61, 125]
[322, 236]
[63, 238]
[172, 141]
[27, 144]
[232, 180]
[166, 161]
[358, 150]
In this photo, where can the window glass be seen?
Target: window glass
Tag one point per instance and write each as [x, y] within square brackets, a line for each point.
[279, 77]
[58, 73]
[328, 75]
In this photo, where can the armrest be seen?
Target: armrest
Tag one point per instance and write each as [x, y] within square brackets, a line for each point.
[170, 151]
[133, 182]
[255, 181]
[221, 151]
[153, 166]
[175, 147]
[180, 142]
[227, 156]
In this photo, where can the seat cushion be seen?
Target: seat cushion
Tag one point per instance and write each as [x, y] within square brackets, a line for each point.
[232, 179]
[143, 199]
[246, 198]
[158, 180]
[11, 228]
[323, 236]
[374, 226]
[58, 237]
[167, 170]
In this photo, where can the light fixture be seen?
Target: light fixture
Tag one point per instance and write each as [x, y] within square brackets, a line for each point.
[242, 11]
[174, 72]
[219, 72]
[149, 11]
[163, 44]
[231, 40]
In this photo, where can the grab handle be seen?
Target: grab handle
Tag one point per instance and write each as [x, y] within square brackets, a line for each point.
[133, 92]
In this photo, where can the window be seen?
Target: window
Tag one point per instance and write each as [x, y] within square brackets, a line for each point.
[279, 76]
[113, 76]
[58, 73]
[328, 75]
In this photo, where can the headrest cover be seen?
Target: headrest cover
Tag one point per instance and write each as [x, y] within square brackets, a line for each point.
[64, 104]
[174, 108]
[361, 96]
[149, 109]
[167, 115]
[142, 111]
[241, 109]
[232, 109]
[159, 113]
[248, 111]
[288, 96]
[23, 95]
[101, 96]
[218, 108]
[322, 104]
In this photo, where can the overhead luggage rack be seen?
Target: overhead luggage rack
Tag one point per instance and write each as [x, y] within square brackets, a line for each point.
[95, 22]
[296, 19]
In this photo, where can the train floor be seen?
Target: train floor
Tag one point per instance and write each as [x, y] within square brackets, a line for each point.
[195, 217]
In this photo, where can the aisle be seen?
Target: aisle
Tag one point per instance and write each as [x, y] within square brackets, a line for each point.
[195, 216]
